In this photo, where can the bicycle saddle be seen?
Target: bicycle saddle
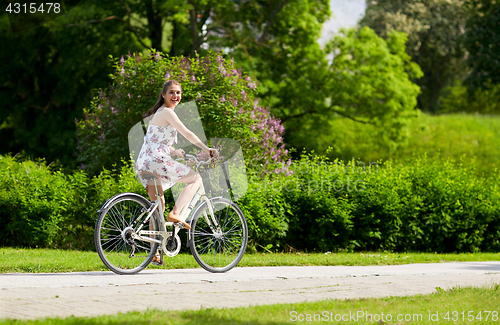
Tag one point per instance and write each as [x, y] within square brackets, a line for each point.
[149, 177]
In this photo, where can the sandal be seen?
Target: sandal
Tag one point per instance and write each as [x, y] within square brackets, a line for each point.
[171, 218]
[157, 260]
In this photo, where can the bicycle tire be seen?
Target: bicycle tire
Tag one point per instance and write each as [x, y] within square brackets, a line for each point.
[218, 253]
[113, 227]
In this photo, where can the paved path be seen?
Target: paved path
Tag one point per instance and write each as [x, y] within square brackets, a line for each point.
[28, 296]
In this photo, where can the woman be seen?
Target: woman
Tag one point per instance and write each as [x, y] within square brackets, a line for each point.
[156, 152]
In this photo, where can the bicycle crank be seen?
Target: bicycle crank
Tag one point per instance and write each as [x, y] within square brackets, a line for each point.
[171, 246]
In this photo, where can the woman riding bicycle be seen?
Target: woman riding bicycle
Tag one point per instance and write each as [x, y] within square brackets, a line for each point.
[156, 153]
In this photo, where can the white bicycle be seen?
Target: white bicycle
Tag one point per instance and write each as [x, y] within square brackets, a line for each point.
[130, 229]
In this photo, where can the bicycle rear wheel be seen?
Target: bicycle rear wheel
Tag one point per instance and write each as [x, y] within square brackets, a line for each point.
[117, 249]
[218, 250]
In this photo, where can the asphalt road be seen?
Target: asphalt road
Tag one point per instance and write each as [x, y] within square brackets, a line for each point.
[29, 296]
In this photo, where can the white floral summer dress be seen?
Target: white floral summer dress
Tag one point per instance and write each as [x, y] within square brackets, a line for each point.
[155, 156]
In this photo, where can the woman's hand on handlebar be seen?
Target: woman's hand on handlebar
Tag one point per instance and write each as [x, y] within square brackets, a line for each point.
[214, 153]
[178, 153]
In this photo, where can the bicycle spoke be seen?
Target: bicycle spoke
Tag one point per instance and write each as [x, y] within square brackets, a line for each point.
[221, 250]
[114, 241]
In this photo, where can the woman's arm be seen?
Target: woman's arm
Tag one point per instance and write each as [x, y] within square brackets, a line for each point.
[174, 120]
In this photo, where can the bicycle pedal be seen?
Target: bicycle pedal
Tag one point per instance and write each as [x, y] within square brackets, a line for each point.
[179, 225]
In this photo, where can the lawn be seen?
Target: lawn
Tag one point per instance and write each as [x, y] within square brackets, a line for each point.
[50, 260]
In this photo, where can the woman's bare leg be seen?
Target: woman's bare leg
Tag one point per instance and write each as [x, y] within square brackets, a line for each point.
[193, 181]
[152, 194]
[150, 188]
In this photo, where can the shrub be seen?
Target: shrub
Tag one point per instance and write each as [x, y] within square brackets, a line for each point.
[35, 204]
[427, 205]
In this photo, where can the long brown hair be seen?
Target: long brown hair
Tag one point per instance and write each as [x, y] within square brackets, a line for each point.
[161, 100]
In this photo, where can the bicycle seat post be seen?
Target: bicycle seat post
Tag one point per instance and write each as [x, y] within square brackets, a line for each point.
[158, 195]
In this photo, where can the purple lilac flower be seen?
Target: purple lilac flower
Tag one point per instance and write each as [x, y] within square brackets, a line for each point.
[129, 95]
[167, 75]
[122, 61]
[199, 98]
[193, 79]
[102, 137]
[223, 98]
[252, 85]
[99, 106]
[113, 110]
[248, 79]
[82, 166]
[157, 56]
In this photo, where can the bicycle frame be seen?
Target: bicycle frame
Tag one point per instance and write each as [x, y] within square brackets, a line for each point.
[186, 211]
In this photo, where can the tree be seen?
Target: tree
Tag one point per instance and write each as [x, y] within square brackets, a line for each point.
[482, 40]
[48, 77]
[368, 81]
[434, 28]
[273, 40]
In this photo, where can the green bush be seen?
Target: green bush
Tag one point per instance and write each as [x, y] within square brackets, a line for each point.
[459, 98]
[425, 205]
[35, 203]
[264, 210]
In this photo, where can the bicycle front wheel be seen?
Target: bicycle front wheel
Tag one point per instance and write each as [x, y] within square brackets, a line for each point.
[115, 225]
[218, 249]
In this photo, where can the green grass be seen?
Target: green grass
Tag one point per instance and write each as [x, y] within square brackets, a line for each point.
[441, 302]
[49, 260]
[458, 136]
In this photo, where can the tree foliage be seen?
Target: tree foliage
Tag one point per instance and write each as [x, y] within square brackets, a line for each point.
[47, 78]
[482, 40]
[435, 29]
[369, 81]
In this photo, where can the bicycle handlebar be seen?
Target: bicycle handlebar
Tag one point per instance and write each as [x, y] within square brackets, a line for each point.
[198, 163]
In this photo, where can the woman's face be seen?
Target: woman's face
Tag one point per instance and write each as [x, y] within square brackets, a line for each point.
[173, 96]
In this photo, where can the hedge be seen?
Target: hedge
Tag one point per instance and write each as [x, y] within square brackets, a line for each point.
[428, 205]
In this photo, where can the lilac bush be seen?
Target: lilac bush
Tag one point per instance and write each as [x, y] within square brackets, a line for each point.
[225, 97]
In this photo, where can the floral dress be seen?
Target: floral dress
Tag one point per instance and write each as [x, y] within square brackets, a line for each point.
[155, 158]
